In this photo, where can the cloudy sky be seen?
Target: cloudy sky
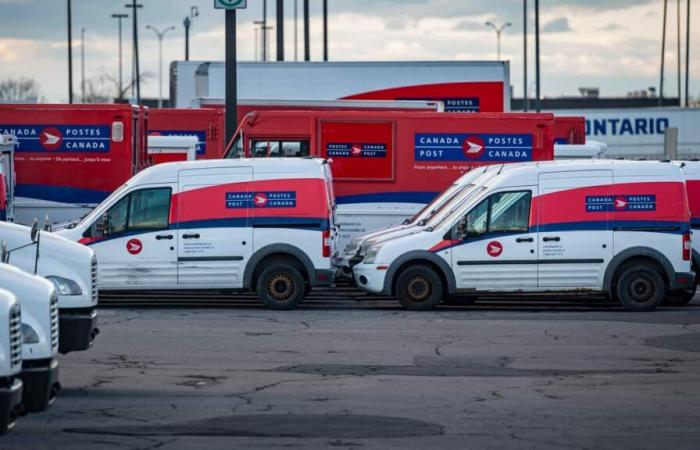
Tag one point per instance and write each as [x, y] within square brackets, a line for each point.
[611, 44]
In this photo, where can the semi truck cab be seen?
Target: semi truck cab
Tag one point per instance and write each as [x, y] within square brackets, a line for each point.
[10, 360]
[39, 302]
[71, 268]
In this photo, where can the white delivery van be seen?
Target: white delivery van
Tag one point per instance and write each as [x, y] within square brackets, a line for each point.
[614, 227]
[252, 224]
[39, 302]
[10, 360]
[71, 267]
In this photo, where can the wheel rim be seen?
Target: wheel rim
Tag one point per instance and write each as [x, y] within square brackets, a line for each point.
[418, 288]
[280, 287]
[641, 288]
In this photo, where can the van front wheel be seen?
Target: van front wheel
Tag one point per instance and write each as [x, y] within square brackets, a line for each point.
[640, 288]
[280, 286]
[419, 288]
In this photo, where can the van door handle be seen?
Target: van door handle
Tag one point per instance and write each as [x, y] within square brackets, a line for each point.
[164, 236]
[190, 236]
[519, 240]
[551, 238]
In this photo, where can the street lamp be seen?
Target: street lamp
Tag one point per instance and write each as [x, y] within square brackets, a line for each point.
[160, 35]
[119, 17]
[194, 12]
[498, 30]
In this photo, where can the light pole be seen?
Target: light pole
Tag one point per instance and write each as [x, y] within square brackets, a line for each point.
[70, 52]
[194, 12]
[160, 35]
[82, 64]
[296, 41]
[119, 17]
[137, 75]
[256, 24]
[498, 30]
[525, 100]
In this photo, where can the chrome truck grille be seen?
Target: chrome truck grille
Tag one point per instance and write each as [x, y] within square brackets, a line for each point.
[54, 321]
[93, 279]
[15, 336]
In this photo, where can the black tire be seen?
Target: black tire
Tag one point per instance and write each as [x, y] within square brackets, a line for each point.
[679, 297]
[280, 286]
[640, 287]
[419, 288]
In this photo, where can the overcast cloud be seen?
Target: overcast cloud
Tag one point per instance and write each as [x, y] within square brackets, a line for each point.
[612, 44]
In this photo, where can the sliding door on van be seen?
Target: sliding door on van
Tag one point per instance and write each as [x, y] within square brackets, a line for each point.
[575, 239]
[133, 242]
[499, 249]
[214, 226]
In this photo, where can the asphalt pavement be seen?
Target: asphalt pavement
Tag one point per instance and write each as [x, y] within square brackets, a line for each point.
[378, 377]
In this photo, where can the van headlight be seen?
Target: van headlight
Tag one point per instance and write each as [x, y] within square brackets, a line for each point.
[65, 286]
[29, 336]
[371, 255]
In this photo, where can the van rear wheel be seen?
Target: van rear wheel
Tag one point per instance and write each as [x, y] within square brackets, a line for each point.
[419, 288]
[280, 286]
[640, 288]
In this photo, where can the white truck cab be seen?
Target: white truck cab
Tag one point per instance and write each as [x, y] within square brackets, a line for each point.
[10, 360]
[71, 267]
[615, 227]
[39, 302]
[266, 225]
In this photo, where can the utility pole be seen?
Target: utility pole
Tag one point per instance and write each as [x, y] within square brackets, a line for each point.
[678, 48]
[160, 35]
[135, 6]
[538, 103]
[231, 89]
[296, 41]
[307, 49]
[663, 55]
[498, 30]
[264, 31]
[70, 52]
[119, 17]
[194, 12]
[82, 64]
[687, 52]
[525, 102]
[280, 30]
[325, 30]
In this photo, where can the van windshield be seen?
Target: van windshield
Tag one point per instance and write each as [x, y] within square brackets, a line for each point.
[457, 203]
[445, 202]
[92, 214]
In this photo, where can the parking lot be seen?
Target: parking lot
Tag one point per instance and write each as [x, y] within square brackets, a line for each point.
[350, 374]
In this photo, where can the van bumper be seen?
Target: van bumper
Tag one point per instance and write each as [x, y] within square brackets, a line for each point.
[323, 277]
[40, 380]
[77, 329]
[682, 280]
[10, 401]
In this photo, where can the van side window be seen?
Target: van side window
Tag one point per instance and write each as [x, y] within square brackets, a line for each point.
[279, 148]
[505, 212]
[145, 209]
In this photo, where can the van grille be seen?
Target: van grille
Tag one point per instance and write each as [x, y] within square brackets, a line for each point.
[54, 321]
[15, 335]
[93, 279]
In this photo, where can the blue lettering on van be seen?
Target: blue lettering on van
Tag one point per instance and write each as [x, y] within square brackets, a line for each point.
[268, 199]
[466, 147]
[60, 138]
[201, 137]
[356, 150]
[636, 202]
[639, 126]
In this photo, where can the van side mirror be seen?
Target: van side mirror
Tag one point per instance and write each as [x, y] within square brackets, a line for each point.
[461, 228]
[34, 234]
[47, 223]
[4, 254]
[102, 224]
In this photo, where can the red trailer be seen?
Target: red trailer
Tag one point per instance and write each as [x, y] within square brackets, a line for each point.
[205, 123]
[388, 165]
[70, 157]
[570, 130]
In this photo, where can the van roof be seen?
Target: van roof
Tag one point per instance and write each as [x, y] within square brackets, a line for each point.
[312, 167]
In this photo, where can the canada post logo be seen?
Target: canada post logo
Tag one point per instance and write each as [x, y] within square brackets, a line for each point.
[473, 147]
[599, 203]
[276, 199]
[60, 138]
[356, 150]
[201, 137]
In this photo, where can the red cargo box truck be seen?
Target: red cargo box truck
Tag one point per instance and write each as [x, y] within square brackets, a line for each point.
[569, 130]
[69, 158]
[388, 165]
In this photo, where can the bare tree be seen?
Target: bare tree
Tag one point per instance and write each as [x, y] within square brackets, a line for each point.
[126, 87]
[19, 89]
